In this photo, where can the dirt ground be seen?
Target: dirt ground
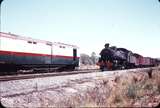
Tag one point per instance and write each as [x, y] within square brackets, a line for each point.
[140, 88]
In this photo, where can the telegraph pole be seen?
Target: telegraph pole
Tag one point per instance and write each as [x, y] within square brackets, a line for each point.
[0, 21]
[0, 13]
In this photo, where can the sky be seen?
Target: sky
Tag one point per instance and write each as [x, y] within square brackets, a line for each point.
[89, 24]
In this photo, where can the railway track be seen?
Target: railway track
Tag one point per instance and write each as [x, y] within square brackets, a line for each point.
[40, 75]
[53, 73]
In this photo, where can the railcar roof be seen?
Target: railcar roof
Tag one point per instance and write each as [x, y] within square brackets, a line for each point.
[14, 36]
[123, 49]
[137, 55]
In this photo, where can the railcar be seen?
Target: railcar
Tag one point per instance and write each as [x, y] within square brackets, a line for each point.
[132, 60]
[138, 61]
[19, 52]
[147, 62]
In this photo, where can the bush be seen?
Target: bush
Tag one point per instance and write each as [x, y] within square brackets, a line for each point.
[131, 91]
[148, 86]
[85, 59]
[88, 60]
[158, 85]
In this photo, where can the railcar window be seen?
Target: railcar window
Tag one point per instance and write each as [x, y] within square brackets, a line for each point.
[34, 42]
[62, 47]
[29, 42]
[49, 44]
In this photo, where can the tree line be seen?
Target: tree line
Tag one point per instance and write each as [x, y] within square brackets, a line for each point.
[88, 59]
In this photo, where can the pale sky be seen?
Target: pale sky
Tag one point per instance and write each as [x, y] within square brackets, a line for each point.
[89, 24]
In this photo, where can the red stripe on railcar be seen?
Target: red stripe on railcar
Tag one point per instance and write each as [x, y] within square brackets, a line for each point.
[31, 54]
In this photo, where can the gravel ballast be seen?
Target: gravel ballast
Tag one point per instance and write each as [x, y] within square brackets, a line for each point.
[90, 89]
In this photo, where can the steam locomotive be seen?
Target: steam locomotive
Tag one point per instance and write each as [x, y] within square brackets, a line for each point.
[18, 52]
[113, 58]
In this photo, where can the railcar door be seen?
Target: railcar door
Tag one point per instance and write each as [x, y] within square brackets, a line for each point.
[48, 59]
[74, 54]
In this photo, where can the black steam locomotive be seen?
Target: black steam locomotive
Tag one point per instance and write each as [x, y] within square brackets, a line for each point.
[113, 58]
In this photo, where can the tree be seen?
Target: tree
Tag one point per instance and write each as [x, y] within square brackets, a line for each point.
[94, 58]
[85, 59]
[88, 60]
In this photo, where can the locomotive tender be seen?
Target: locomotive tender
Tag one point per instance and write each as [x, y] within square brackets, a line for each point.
[18, 52]
[121, 58]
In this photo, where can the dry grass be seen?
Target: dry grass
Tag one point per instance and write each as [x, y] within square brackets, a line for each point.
[127, 90]
[131, 90]
[123, 91]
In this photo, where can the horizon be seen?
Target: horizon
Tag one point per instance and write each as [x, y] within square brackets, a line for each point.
[88, 24]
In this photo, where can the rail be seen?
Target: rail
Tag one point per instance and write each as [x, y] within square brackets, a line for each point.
[38, 75]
